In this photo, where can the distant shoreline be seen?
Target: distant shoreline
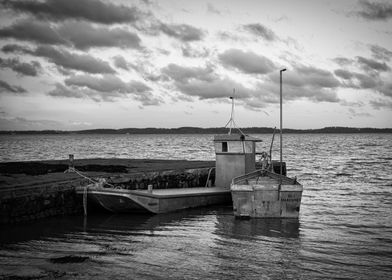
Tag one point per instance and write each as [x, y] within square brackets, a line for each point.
[199, 130]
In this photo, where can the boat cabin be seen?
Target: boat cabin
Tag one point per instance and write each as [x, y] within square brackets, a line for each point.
[235, 156]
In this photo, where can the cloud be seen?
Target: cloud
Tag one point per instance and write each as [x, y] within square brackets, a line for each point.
[5, 87]
[185, 74]
[83, 35]
[356, 80]
[105, 88]
[68, 60]
[386, 89]
[375, 10]
[260, 31]
[62, 91]
[307, 82]
[28, 69]
[371, 65]
[218, 88]
[381, 53]
[10, 48]
[343, 61]
[247, 62]
[211, 9]
[182, 32]
[19, 123]
[192, 51]
[28, 30]
[120, 62]
[90, 10]
[107, 83]
[380, 104]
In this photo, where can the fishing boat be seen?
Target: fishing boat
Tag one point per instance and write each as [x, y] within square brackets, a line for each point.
[264, 193]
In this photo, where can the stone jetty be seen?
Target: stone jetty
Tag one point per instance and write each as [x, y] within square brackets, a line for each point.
[34, 190]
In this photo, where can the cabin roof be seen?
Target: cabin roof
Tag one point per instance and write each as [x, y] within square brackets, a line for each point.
[234, 137]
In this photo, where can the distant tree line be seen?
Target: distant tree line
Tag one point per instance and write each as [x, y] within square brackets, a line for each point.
[199, 130]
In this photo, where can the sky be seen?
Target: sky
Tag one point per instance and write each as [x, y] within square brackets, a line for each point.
[73, 64]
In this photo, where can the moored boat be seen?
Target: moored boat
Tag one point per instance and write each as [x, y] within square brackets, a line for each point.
[265, 194]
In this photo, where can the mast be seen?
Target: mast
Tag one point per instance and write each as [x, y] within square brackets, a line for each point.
[281, 140]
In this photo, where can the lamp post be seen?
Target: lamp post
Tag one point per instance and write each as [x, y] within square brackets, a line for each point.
[281, 154]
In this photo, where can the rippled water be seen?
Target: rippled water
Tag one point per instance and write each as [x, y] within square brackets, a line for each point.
[344, 230]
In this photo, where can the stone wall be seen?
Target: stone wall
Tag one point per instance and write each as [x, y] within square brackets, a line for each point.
[27, 204]
[189, 178]
[23, 204]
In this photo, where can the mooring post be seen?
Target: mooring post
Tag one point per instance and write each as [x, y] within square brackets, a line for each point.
[71, 162]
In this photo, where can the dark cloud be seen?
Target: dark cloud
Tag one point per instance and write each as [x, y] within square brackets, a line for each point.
[105, 88]
[380, 104]
[10, 48]
[90, 10]
[68, 60]
[6, 87]
[312, 76]
[185, 74]
[62, 91]
[375, 10]
[344, 74]
[28, 30]
[386, 89]
[304, 82]
[247, 62]
[356, 80]
[120, 62]
[381, 53]
[343, 61]
[202, 82]
[260, 31]
[28, 69]
[370, 65]
[83, 35]
[107, 83]
[183, 32]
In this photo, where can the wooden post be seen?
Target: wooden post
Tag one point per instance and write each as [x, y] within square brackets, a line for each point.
[71, 162]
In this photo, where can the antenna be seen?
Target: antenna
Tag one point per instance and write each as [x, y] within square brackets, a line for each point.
[231, 120]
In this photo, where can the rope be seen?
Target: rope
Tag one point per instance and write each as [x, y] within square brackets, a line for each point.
[72, 169]
[85, 200]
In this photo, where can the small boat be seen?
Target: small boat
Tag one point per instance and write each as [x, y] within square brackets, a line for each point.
[265, 194]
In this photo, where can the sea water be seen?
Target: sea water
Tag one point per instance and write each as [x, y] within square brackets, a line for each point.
[344, 230]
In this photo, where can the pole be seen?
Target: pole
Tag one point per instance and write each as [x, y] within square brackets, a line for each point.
[281, 140]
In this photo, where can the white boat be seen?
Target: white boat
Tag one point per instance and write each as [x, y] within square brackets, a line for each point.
[265, 194]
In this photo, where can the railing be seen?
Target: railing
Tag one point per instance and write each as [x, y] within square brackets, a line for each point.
[261, 173]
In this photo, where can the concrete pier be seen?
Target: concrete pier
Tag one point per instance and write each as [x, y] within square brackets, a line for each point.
[34, 190]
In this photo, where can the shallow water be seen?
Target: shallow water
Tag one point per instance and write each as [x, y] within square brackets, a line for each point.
[344, 230]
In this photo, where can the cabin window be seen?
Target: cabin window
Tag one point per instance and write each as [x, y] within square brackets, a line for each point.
[224, 146]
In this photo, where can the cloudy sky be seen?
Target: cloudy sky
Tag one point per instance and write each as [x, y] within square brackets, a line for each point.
[76, 64]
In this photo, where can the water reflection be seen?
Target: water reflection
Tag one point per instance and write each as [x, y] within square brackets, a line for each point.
[243, 229]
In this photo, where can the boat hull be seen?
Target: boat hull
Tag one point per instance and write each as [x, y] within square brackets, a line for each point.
[157, 201]
[263, 194]
[268, 202]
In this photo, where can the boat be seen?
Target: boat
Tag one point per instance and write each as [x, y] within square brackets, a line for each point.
[265, 194]
[235, 155]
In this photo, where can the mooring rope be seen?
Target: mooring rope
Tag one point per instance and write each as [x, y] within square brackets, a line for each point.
[85, 200]
[73, 169]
